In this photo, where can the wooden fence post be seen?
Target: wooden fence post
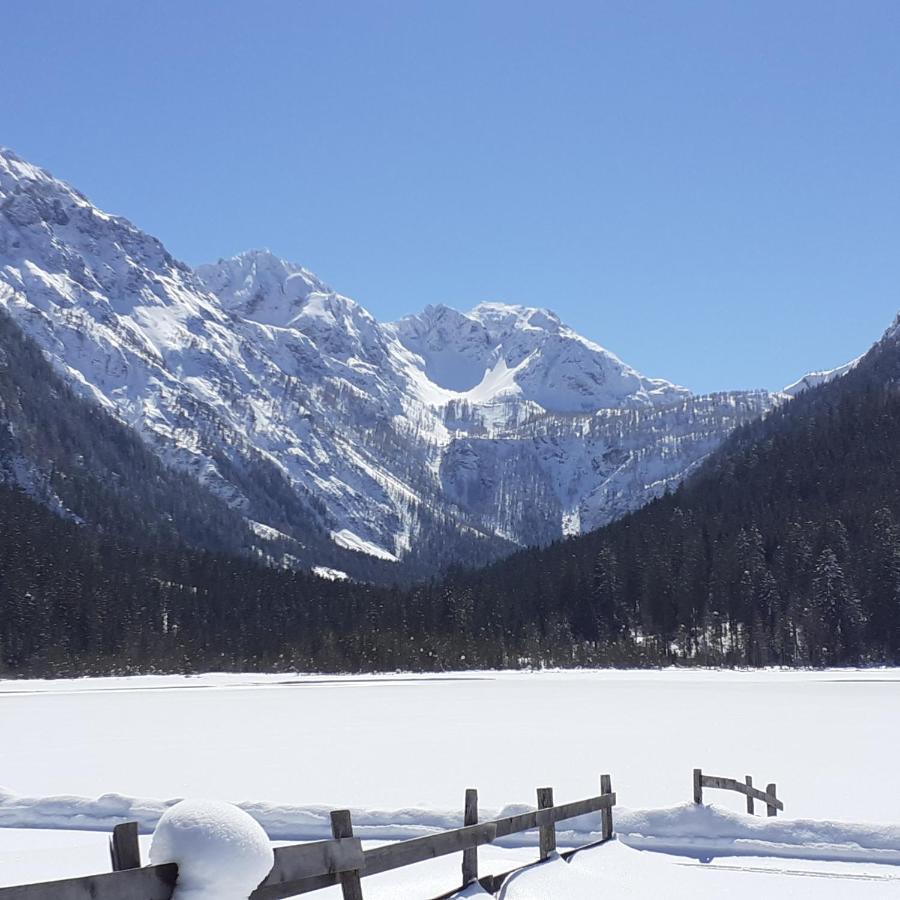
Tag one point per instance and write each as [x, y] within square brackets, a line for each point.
[748, 780]
[342, 827]
[124, 848]
[771, 809]
[470, 856]
[547, 832]
[606, 812]
[698, 786]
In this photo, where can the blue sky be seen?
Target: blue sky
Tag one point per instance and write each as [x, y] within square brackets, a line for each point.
[709, 189]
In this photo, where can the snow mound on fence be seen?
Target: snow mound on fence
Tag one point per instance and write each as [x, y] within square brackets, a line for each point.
[222, 853]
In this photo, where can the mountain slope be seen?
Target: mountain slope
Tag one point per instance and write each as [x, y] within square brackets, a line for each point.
[350, 441]
[783, 547]
[71, 455]
[74, 457]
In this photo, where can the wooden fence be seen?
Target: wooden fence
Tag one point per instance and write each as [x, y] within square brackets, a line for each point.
[773, 804]
[303, 868]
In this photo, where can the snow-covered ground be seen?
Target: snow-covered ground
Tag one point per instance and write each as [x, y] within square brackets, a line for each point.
[616, 871]
[400, 750]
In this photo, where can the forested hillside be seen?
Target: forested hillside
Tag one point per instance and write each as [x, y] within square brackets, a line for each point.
[784, 548]
[74, 601]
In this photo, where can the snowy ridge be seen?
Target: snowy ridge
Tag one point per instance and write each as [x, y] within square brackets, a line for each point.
[814, 379]
[685, 829]
[326, 427]
[516, 351]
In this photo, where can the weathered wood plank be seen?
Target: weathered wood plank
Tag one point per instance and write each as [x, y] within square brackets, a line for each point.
[725, 784]
[405, 853]
[342, 827]
[576, 808]
[748, 780]
[606, 827]
[299, 861]
[548, 829]
[773, 804]
[530, 820]
[149, 883]
[732, 784]
[470, 854]
[516, 824]
[698, 786]
[124, 848]
[294, 888]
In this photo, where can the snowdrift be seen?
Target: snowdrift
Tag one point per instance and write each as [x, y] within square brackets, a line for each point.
[702, 832]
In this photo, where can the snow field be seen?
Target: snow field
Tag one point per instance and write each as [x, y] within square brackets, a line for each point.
[383, 742]
[400, 751]
[616, 871]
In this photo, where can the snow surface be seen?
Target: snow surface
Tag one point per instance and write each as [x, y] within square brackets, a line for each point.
[237, 739]
[113, 737]
[614, 871]
[222, 853]
[348, 540]
[707, 831]
[330, 574]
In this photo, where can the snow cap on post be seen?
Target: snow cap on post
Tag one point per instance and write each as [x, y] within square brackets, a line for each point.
[222, 853]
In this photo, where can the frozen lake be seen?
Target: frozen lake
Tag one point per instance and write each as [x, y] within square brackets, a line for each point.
[827, 738]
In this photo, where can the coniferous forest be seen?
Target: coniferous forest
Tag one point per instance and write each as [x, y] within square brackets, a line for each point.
[782, 549]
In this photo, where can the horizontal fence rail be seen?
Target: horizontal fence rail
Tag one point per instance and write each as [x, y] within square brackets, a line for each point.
[745, 787]
[149, 883]
[303, 868]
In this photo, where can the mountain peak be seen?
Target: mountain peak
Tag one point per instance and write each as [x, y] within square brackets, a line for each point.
[259, 285]
[528, 352]
[30, 194]
[13, 165]
[508, 315]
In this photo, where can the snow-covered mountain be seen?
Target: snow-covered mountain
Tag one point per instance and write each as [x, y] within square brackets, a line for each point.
[528, 354]
[444, 436]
